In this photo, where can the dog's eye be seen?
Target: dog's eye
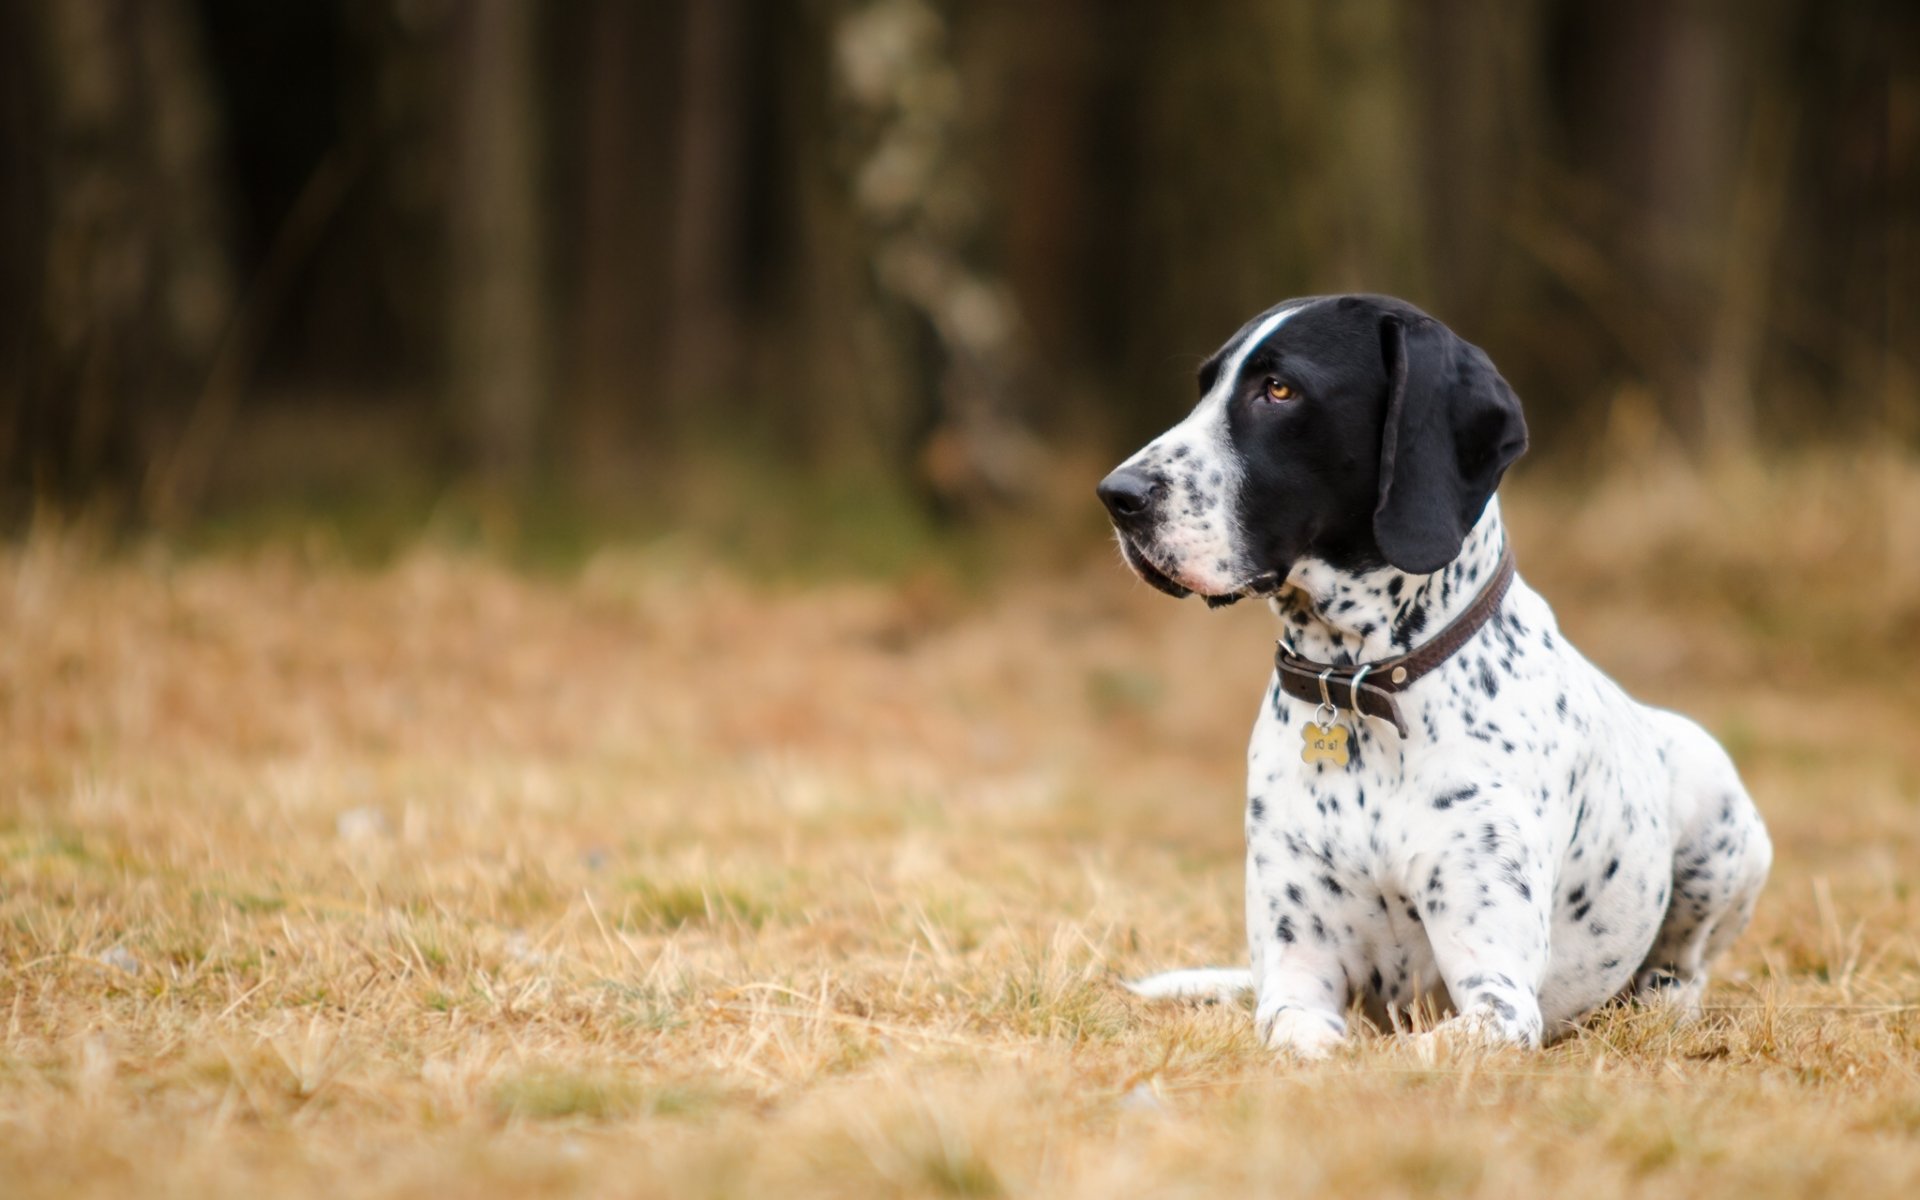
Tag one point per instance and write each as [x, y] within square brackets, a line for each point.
[1277, 391]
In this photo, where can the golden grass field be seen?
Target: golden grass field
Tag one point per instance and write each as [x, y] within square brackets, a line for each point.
[658, 877]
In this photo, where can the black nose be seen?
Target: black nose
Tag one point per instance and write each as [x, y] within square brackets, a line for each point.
[1128, 493]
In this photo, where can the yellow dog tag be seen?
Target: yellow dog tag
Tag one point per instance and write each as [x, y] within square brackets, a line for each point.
[1324, 743]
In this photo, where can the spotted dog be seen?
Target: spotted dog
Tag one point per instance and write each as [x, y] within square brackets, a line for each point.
[1503, 833]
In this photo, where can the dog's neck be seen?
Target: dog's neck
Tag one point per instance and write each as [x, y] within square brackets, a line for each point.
[1343, 617]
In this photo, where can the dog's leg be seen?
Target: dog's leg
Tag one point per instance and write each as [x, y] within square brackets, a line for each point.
[1301, 990]
[1721, 856]
[1486, 903]
[1298, 1013]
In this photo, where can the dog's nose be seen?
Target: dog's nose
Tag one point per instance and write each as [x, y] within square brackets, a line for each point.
[1128, 493]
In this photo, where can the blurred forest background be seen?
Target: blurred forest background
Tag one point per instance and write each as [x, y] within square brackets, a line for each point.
[556, 638]
[311, 248]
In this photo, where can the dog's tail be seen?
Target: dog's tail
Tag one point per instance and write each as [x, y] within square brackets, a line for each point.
[1211, 984]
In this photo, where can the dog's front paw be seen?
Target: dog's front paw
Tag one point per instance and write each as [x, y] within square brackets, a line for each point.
[1301, 1033]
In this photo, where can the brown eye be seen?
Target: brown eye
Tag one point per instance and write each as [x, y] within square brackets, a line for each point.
[1278, 391]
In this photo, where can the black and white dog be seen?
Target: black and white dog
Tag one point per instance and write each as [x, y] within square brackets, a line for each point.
[1446, 803]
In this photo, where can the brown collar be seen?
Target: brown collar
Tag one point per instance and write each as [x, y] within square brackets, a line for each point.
[1369, 688]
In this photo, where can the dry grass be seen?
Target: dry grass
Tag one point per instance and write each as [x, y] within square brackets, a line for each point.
[439, 879]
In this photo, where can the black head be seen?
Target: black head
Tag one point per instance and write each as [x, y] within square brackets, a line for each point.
[1356, 430]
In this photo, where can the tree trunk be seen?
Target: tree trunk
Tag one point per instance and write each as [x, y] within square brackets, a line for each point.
[707, 189]
[603, 353]
[498, 351]
[630, 55]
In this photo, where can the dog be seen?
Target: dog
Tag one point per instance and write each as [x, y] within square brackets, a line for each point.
[1447, 805]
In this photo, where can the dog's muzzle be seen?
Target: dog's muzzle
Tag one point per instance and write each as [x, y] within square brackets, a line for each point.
[1131, 495]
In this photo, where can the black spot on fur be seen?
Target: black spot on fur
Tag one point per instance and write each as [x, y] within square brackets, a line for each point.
[1409, 625]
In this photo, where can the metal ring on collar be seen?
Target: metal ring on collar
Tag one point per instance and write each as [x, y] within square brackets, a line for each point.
[1326, 702]
[1353, 692]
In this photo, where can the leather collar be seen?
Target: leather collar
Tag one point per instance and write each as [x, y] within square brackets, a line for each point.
[1369, 688]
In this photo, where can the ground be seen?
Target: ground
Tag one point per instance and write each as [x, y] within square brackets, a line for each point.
[654, 875]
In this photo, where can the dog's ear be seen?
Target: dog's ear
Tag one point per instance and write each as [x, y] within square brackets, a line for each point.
[1453, 427]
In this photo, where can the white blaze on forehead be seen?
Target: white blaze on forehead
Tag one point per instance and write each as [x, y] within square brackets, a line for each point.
[1195, 540]
[1223, 385]
[1206, 425]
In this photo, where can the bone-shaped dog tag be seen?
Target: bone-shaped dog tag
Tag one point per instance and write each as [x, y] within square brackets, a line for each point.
[1324, 743]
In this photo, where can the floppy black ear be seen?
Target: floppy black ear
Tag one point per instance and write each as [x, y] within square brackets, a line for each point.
[1453, 427]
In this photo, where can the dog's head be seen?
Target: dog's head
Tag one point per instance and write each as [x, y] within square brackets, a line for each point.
[1355, 430]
